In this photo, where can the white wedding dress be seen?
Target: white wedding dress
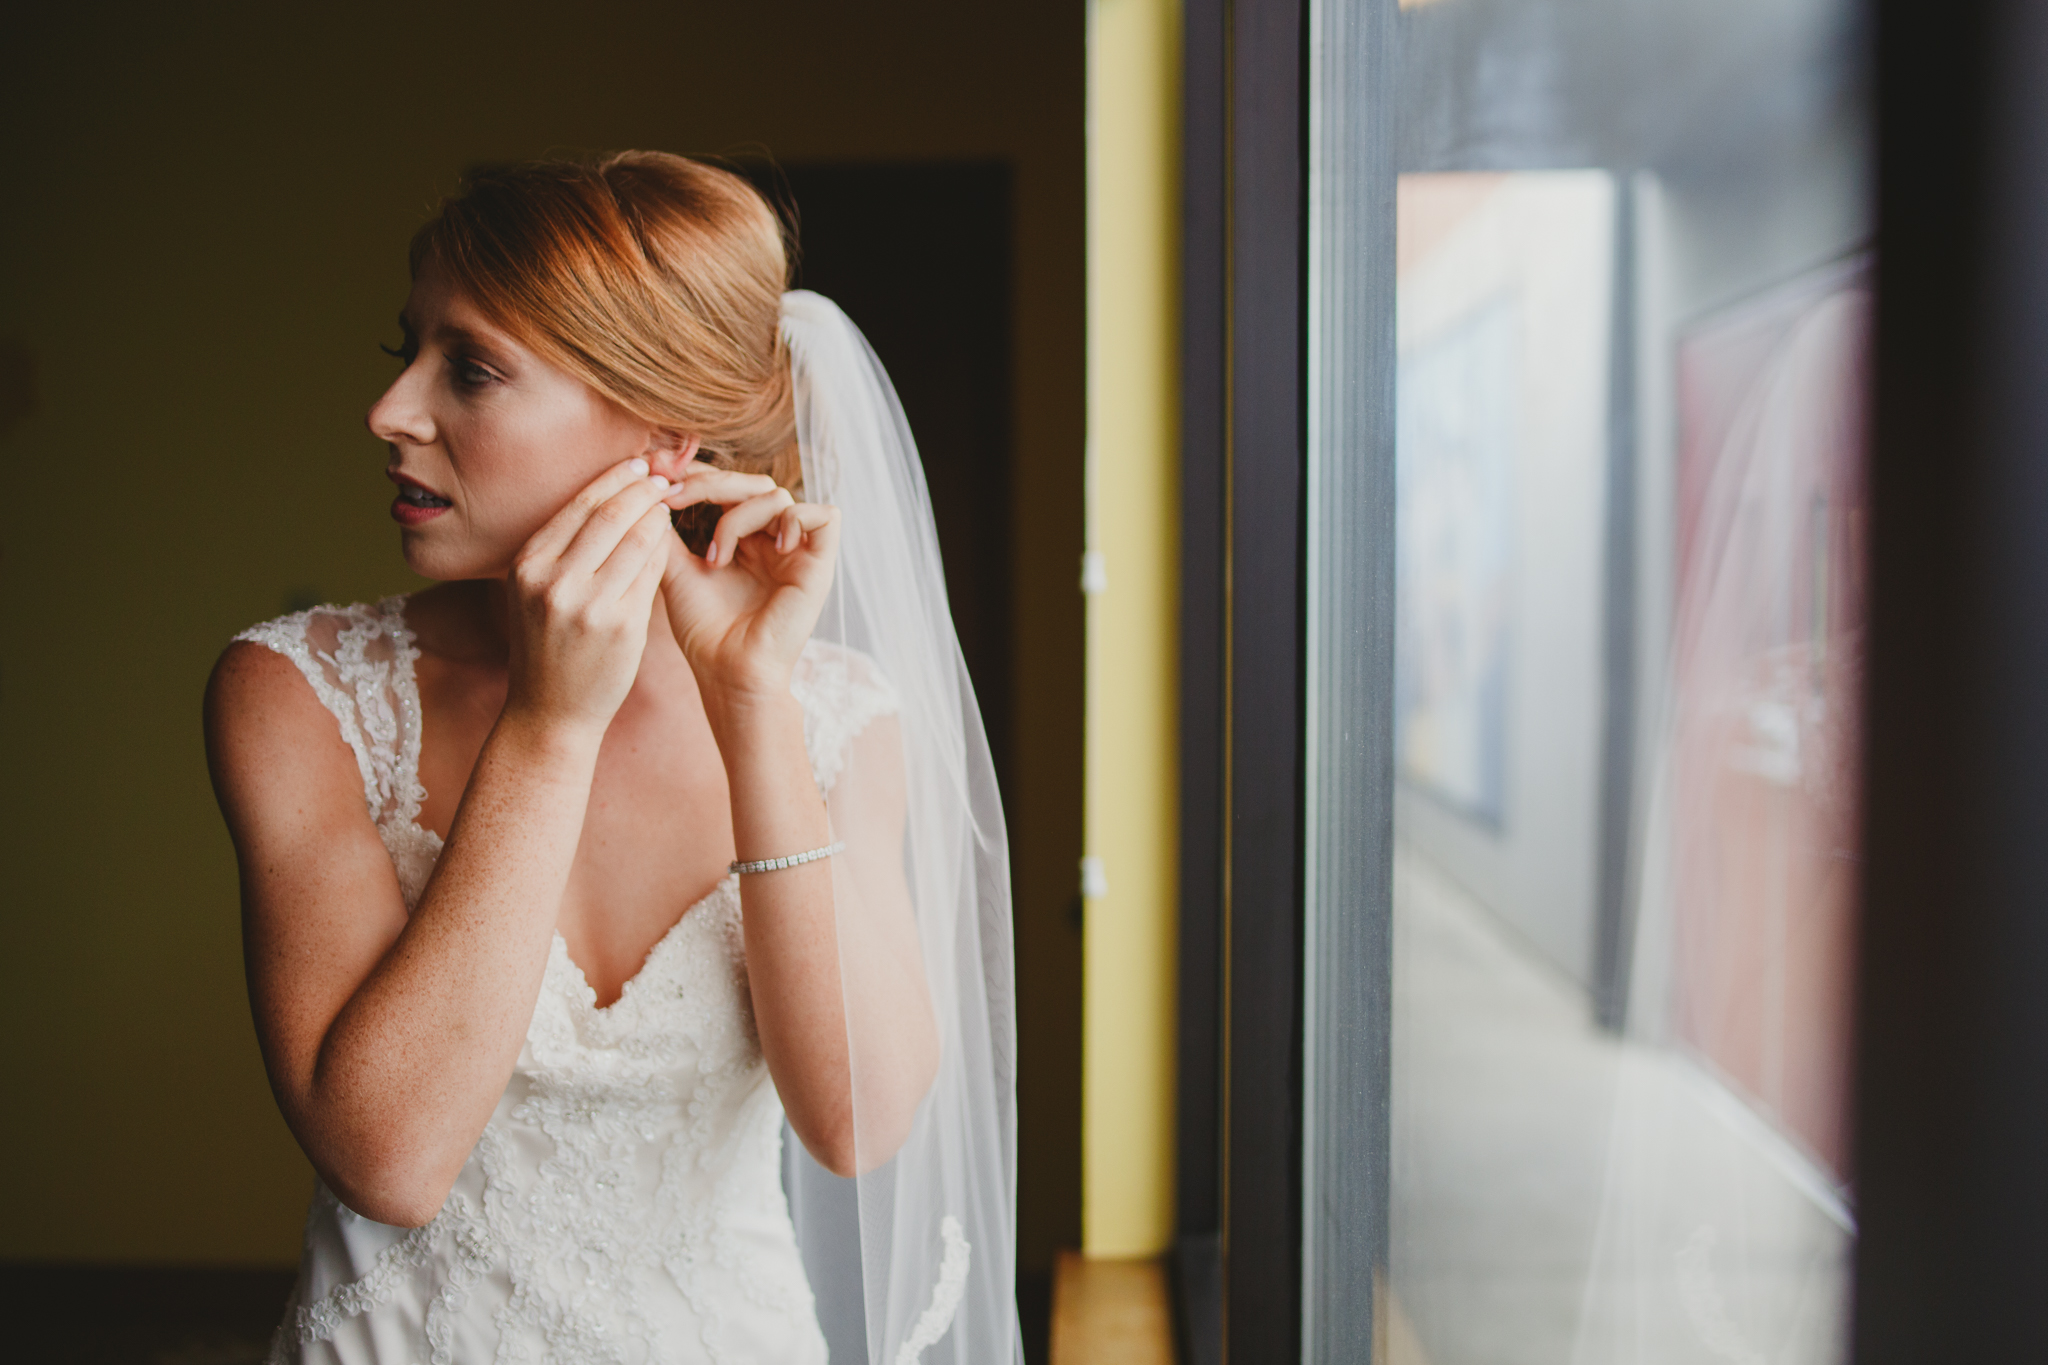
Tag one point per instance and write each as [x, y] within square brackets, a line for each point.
[624, 1204]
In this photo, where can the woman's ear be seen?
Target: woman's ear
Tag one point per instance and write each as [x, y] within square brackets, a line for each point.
[669, 453]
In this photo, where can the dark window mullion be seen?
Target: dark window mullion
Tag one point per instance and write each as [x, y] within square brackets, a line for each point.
[1262, 1065]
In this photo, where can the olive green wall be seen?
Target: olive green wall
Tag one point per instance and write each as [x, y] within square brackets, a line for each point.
[203, 241]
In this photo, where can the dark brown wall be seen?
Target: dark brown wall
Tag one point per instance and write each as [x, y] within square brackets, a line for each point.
[203, 241]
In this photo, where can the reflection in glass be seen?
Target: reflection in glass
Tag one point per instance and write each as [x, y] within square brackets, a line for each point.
[1633, 316]
[1453, 535]
[1766, 688]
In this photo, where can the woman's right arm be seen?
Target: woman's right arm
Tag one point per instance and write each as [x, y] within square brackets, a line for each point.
[389, 1038]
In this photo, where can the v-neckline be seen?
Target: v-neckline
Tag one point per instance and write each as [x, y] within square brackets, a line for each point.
[407, 657]
[587, 993]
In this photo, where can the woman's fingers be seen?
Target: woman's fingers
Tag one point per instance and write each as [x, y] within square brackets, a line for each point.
[639, 594]
[813, 520]
[820, 521]
[644, 543]
[744, 520]
[786, 525]
[804, 519]
[610, 522]
[552, 539]
[701, 482]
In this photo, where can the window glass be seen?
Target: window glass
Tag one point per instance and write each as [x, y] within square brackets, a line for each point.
[1633, 320]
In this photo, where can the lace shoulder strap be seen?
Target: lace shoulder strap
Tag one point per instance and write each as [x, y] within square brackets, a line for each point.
[841, 691]
[359, 661]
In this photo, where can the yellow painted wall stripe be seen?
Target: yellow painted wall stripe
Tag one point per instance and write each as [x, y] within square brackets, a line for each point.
[1130, 879]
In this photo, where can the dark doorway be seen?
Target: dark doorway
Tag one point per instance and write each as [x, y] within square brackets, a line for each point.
[919, 257]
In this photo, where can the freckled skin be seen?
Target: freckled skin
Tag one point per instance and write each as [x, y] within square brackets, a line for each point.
[607, 723]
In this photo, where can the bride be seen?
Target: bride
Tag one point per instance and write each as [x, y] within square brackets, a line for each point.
[661, 827]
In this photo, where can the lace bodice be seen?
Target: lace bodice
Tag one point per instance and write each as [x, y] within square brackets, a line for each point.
[624, 1204]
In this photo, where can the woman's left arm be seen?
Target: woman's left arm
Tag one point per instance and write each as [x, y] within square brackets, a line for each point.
[742, 614]
[832, 947]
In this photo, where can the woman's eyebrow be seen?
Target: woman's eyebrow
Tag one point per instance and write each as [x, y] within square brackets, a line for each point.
[454, 333]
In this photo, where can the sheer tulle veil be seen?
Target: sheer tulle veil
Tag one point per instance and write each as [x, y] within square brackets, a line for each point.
[913, 1260]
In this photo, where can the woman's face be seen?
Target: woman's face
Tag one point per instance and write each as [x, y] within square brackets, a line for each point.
[487, 440]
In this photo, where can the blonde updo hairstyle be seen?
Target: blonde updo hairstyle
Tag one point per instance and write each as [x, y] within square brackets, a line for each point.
[655, 279]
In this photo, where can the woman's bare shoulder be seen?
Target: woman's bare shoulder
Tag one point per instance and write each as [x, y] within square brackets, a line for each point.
[251, 679]
[276, 664]
[265, 719]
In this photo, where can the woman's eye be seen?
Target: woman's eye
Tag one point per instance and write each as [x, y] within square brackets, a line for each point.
[470, 374]
[405, 352]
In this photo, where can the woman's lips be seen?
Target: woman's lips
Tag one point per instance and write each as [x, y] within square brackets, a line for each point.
[412, 513]
[416, 504]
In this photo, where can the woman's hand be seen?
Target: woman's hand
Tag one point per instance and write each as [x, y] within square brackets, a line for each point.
[580, 595]
[744, 610]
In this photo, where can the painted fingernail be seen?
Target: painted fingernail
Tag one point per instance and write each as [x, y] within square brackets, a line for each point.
[661, 485]
[637, 465]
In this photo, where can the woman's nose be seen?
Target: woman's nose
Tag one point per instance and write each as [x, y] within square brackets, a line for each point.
[400, 416]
